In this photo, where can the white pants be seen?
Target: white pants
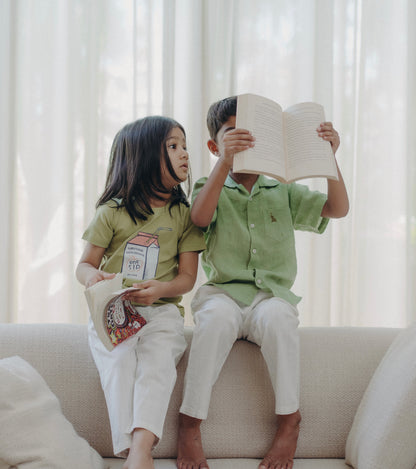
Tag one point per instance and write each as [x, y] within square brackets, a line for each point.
[139, 374]
[269, 322]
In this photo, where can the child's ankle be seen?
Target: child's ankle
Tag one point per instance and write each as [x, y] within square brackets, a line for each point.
[185, 421]
[290, 419]
[143, 438]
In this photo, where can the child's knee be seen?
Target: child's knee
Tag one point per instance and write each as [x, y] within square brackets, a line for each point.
[217, 319]
[278, 316]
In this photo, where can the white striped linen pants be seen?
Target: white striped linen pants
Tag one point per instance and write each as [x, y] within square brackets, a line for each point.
[270, 322]
[139, 374]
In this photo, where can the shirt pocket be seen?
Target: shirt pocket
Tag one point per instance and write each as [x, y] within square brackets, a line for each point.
[277, 220]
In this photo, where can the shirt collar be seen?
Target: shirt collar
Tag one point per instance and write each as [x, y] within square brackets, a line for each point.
[262, 181]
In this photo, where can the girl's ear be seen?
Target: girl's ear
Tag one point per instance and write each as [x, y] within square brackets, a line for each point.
[213, 148]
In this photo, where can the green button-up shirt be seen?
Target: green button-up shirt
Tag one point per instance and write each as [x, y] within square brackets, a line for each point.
[251, 241]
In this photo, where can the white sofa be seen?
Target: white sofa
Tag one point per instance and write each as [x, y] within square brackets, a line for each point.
[336, 367]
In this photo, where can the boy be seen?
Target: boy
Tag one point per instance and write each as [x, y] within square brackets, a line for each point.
[250, 263]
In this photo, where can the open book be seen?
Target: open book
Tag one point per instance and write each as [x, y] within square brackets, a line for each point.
[114, 317]
[287, 146]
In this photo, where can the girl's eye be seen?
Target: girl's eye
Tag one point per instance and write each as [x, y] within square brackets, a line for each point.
[173, 146]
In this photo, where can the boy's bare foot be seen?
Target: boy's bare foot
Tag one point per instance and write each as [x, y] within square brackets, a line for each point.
[282, 451]
[140, 454]
[190, 452]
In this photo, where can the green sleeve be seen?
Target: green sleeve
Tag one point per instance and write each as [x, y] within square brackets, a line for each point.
[197, 187]
[192, 238]
[306, 208]
[100, 231]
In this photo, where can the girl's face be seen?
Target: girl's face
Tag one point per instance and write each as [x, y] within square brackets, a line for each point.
[178, 156]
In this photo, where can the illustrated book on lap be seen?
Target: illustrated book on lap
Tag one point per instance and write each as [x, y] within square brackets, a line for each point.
[115, 318]
[287, 145]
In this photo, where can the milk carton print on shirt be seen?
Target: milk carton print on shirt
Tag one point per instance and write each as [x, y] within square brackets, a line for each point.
[141, 256]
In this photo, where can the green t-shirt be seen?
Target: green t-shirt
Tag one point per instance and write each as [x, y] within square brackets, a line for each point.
[251, 241]
[148, 249]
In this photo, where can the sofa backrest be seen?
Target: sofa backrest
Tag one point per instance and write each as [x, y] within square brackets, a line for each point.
[336, 366]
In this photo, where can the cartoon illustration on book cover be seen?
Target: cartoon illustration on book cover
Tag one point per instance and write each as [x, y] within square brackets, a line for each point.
[122, 320]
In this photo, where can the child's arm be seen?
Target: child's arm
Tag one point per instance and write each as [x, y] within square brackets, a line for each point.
[152, 290]
[87, 271]
[205, 203]
[337, 204]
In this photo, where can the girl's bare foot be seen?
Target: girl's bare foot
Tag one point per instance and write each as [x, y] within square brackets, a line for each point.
[190, 451]
[282, 451]
[140, 454]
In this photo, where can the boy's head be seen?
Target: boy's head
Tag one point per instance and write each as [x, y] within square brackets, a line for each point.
[219, 113]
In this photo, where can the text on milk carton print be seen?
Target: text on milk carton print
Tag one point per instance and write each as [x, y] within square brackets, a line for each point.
[141, 256]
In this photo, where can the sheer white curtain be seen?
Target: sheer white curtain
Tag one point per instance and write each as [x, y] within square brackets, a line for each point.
[73, 72]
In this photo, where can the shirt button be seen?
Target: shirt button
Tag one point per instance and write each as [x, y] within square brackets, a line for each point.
[254, 251]
[252, 225]
[259, 281]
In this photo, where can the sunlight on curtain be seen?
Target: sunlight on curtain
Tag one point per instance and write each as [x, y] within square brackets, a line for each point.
[82, 70]
[355, 58]
[73, 73]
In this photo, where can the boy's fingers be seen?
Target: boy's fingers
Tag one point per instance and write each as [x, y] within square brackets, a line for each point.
[326, 127]
[237, 148]
[237, 137]
[238, 134]
[239, 140]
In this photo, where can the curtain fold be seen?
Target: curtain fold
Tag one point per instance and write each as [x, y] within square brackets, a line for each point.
[73, 73]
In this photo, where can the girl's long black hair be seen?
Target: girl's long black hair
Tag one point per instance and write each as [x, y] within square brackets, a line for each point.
[135, 171]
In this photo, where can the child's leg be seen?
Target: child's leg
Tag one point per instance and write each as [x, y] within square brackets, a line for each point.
[218, 320]
[273, 325]
[190, 451]
[138, 382]
[117, 371]
[140, 454]
[217, 326]
[159, 350]
[282, 450]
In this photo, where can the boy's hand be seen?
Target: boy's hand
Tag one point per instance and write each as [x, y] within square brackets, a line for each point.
[96, 277]
[328, 133]
[233, 142]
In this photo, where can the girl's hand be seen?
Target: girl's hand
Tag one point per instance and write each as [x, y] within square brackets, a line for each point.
[149, 291]
[96, 277]
[327, 132]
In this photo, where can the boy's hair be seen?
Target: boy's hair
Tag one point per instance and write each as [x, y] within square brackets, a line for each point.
[219, 113]
[134, 172]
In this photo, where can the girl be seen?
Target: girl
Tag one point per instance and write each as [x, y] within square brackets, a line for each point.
[143, 205]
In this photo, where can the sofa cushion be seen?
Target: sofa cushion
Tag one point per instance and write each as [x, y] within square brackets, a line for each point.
[240, 463]
[384, 427]
[336, 367]
[34, 434]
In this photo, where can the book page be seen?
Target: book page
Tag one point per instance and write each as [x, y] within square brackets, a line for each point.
[308, 154]
[263, 117]
[114, 318]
